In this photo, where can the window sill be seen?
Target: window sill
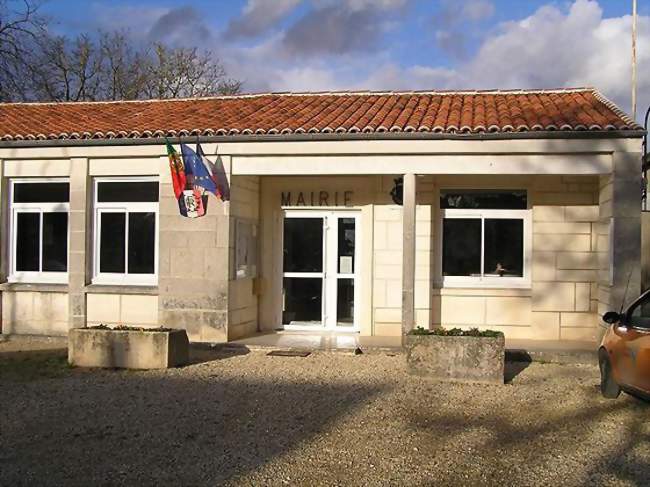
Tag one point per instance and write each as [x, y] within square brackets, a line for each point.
[121, 289]
[35, 287]
[496, 283]
[466, 290]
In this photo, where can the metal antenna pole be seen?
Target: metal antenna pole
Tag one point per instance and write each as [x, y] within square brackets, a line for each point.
[634, 60]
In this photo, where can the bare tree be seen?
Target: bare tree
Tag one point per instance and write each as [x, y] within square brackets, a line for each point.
[124, 67]
[67, 70]
[20, 27]
[114, 68]
[185, 73]
[38, 66]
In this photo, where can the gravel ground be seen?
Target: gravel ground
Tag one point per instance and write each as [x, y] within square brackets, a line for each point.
[327, 419]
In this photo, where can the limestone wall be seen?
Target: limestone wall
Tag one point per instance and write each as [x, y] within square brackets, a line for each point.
[242, 302]
[193, 266]
[561, 302]
[34, 313]
[565, 259]
[122, 309]
[387, 258]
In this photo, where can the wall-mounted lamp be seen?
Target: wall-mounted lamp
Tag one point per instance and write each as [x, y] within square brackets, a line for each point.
[397, 193]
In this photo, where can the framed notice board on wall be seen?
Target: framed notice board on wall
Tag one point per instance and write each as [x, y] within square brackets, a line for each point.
[245, 249]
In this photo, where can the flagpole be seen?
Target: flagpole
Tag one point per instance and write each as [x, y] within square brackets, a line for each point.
[634, 60]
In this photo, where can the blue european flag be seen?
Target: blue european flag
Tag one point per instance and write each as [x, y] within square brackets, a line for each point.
[196, 171]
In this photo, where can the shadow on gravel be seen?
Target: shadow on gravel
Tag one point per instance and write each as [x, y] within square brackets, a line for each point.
[546, 433]
[119, 428]
[513, 369]
[202, 353]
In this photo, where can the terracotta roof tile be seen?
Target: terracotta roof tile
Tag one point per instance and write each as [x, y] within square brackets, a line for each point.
[441, 112]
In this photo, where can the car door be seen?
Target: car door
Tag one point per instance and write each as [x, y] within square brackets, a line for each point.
[636, 342]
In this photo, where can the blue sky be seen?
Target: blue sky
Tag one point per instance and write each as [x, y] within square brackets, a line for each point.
[322, 45]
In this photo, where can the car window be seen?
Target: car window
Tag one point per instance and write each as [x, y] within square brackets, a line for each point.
[638, 314]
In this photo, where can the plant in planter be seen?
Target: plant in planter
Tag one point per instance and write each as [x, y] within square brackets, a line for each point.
[456, 355]
[127, 347]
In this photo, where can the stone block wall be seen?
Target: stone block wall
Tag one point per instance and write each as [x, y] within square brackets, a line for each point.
[116, 309]
[620, 260]
[565, 270]
[35, 313]
[243, 302]
[193, 267]
[387, 259]
[565, 258]
[561, 302]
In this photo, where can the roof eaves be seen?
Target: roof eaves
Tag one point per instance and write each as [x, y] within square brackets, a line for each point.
[297, 137]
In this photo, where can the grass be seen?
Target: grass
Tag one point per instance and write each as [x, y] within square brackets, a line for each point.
[33, 365]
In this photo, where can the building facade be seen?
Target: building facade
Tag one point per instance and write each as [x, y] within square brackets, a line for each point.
[368, 213]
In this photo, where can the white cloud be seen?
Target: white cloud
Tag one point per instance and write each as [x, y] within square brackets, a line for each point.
[475, 10]
[452, 32]
[340, 27]
[259, 16]
[551, 48]
[559, 48]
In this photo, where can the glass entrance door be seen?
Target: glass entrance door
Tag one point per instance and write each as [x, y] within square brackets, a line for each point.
[320, 285]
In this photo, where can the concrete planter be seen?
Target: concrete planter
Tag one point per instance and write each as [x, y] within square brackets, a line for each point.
[456, 358]
[128, 349]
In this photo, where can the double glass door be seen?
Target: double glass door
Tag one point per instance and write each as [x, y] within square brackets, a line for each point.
[320, 269]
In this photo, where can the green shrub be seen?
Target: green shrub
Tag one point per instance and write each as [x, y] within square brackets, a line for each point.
[456, 332]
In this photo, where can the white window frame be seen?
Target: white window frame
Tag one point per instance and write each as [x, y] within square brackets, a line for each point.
[114, 278]
[330, 274]
[37, 277]
[489, 281]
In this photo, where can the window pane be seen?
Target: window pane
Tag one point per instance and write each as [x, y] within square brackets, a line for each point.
[345, 302]
[484, 199]
[303, 298]
[55, 242]
[142, 241]
[303, 245]
[346, 245]
[461, 247]
[27, 241]
[130, 191]
[640, 315]
[111, 243]
[41, 192]
[504, 247]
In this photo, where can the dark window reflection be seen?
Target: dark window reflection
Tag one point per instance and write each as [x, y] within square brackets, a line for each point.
[142, 241]
[484, 199]
[346, 233]
[461, 247]
[303, 245]
[303, 298]
[41, 192]
[504, 247]
[131, 191]
[111, 245]
[27, 241]
[55, 242]
[345, 302]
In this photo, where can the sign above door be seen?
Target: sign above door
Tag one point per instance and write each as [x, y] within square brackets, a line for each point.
[316, 198]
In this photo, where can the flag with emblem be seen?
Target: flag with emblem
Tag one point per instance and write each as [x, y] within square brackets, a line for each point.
[197, 171]
[217, 173]
[177, 170]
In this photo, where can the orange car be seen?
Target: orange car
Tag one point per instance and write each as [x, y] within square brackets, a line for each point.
[624, 353]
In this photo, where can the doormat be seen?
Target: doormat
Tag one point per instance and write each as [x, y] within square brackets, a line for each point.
[289, 353]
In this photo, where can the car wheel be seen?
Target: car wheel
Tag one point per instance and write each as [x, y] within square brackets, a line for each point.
[608, 386]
